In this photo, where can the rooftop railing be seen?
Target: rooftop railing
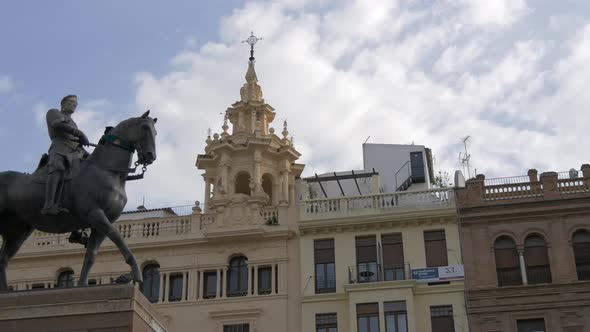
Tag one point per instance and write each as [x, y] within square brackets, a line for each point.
[375, 204]
[549, 185]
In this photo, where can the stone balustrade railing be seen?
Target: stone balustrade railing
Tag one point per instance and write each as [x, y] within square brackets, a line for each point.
[314, 209]
[133, 231]
[549, 185]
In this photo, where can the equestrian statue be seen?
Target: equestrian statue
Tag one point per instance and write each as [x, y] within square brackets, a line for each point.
[72, 190]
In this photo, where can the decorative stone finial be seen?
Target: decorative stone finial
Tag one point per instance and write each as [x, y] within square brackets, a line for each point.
[285, 131]
[197, 208]
[208, 140]
[225, 127]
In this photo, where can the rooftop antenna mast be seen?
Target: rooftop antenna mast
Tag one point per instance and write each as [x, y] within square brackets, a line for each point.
[464, 159]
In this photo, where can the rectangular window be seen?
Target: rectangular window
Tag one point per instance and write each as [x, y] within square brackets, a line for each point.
[441, 318]
[530, 325]
[210, 285]
[326, 322]
[393, 257]
[264, 282]
[366, 259]
[325, 269]
[38, 286]
[435, 244]
[236, 328]
[396, 316]
[175, 290]
[367, 317]
[417, 165]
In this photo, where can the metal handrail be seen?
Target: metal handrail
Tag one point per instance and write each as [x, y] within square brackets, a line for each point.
[399, 170]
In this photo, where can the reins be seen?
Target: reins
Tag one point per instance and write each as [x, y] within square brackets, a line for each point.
[118, 142]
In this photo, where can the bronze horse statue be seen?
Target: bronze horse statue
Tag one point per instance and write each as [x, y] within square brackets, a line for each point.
[95, 197]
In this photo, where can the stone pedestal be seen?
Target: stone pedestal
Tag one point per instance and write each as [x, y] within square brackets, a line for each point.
[117, 308]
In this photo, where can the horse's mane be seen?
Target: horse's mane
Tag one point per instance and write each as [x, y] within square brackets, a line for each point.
[122, 126]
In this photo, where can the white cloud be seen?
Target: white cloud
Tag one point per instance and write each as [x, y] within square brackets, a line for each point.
[495, 12]
[6, 84]
[389, 70]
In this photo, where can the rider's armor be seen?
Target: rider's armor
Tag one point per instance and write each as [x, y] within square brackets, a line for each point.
[64, 154]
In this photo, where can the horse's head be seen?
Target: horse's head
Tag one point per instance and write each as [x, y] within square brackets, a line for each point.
[143, 138]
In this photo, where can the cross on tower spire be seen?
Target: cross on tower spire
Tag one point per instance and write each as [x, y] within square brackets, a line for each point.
[252, 40]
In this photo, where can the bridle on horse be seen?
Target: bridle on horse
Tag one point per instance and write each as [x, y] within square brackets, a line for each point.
[122, 144]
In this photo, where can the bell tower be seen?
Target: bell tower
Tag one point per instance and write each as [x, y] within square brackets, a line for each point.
[250, 171]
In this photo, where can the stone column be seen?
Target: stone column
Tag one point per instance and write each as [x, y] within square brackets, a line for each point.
[166, 286]
[272, 278]
[224, 179]
[284, 187]
[253, 122]
[522, 267]
[255, 279]
[282, 277]
[249, 280]
[161, 289]
[201, 291]
[207, 194]
[184, 285]
[218, 284]
[224, 283]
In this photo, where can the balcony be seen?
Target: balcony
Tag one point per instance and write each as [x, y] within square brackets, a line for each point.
[538, 275]
[373, 272]
[509, 276]
[339, 207]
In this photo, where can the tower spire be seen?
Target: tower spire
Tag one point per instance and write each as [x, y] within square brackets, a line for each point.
[251, 90]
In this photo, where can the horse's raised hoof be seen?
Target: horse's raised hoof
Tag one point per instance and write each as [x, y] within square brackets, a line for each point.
[80, 237]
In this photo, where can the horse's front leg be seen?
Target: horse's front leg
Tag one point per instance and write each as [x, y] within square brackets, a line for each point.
[94, 242]
[100, 222]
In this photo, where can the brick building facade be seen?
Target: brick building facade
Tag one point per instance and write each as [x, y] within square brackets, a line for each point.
[526, 250]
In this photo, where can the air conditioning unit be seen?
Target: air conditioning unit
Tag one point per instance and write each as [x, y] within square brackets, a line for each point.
[365, 274]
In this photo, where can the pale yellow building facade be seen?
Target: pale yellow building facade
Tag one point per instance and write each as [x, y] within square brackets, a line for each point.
[347, 221]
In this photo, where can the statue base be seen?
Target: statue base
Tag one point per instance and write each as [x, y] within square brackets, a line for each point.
[120, 308]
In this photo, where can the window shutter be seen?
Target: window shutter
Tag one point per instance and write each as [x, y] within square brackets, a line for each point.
[436, 248]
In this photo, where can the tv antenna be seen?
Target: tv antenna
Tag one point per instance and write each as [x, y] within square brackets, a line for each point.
[465, 157]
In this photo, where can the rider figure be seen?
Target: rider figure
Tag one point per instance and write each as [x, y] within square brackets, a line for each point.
[66, 148]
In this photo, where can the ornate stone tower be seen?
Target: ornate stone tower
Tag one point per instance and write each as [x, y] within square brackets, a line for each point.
[249, 172]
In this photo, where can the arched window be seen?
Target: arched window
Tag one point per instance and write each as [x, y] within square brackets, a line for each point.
[243, 183]
[237, 276]
[151, 282]
[65, 279]
[581, 244]
[267, 185]
[507, 263]
[536, 260]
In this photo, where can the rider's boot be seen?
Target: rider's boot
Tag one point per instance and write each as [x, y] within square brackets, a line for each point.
[51, 192]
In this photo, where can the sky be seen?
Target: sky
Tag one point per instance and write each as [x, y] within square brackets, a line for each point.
[511, 74]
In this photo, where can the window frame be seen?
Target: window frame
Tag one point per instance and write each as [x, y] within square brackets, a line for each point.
[237, 273]
[326, 322]
[151, 278]
[324, 261]
[430, 246]
[65, 279]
